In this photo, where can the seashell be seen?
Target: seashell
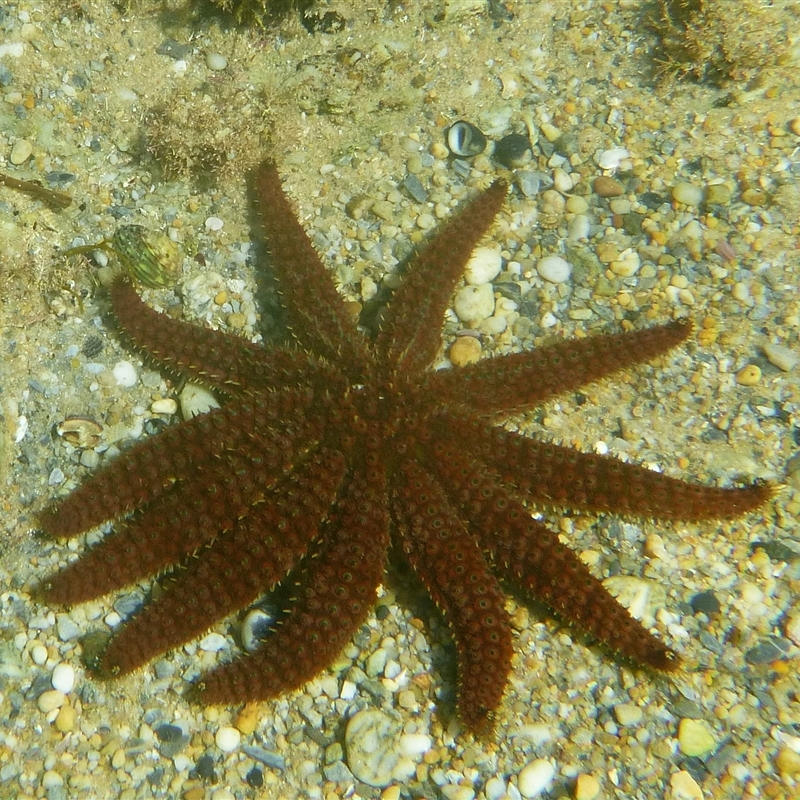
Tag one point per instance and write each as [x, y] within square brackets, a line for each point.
[196, 400]
[513, 151]
[149, 256]
[464, 139]
[80, 431]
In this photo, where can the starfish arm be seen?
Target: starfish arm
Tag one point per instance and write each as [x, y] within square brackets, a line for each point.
[234, 569]
[320, 321]
[409, 342]
[448, 560]
[530, 555]
[209, 357]
[560, 477]
[334, 594]
[522, 381]
[150, 467]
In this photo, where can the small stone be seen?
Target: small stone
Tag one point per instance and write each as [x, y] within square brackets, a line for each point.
[695, 738]
[39, 654]
[792, 624]
[794, 126]
[51, 780]
[228, 738]
[65, 721]
[164, 406]
[125, 374]
[627, 265]
[754, 197]
[606, 186]
[465, 350]
[718, 194]
[612, 158]
[216, 62]
[782, 357]
[451, 791]
[415, 744]
[687, 193]
[212, 643]
[685, 787]
[63, 678]
[587, 787]
[20, 151]
[483, 266]
[554, 269]
[535, 777]
[705, 603]
[118, 758]
[787, 762]
[50, 700]
[628, 714]
[749, 375]
[247, 719]
[474, 304]
[214, 224]
[577, 205]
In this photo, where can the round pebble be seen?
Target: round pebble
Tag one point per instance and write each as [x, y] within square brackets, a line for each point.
[465, 350]
[372, 742]
[483, 267]
[627, 264]
[749, 375]
[164, 406]
[63, 678]
[628, 714]
[606, 186]
[687, 193]
[554, 269]
[685, 787]
[39, 654]
[787, 762]
[587, 787]
[125, 374]
[473, 304]
[20, 151]
[577, 205]
[215, 61]
[65, 721]
[782, 357]
[228, 738]
[50, 700]
[695, 738]
[535, 777]
[718, 194]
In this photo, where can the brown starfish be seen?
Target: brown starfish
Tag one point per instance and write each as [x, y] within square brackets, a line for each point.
[332, 448]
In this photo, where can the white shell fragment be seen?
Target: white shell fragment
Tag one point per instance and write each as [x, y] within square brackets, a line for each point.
[125, 374]
[196, 400]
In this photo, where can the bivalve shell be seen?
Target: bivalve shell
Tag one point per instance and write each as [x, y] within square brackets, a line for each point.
[149, 256]
[80, 431]
[465, 139]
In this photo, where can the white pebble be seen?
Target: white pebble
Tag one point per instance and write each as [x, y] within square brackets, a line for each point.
[50, 700]
[687, 193]
[39, 654]
[228, 739]
[125, 374]
[578, 227]
[473, 304]
[782, 357]
[215, 61]
[562, 181]
[20, 151]
[535, 777]
[611, 159]
[164, 406]
[214, 224]
[415, 744]
[483, 267]
[51, 780]
[371, 740]
[212, 643]
[63, 678]
[554, 269]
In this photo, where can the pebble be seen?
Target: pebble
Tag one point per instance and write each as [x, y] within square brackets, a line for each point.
[39, 654]
[787, 762]
[474, 304]
[554, 269]
[718, 194]
[685, 787]
[63, 678]
[20, 152]
[587, 787]
[483, 267]
[628, 714]
[782, 357]
[535, 777]
[749, 375]
[577, 205]
[695, 738]
[465, 350]
[216, 62]
[247, 719]
[212, 643]
[792, 623]
[164, 406]
[687, 193]
[125, 374]
[50, 700]
[627, 265]
[606, 186]
[65, 721]
[228, 738]
[613, 158]
[214, 224]
[373, 756]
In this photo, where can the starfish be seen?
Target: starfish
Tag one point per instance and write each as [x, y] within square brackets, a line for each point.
[336, 446]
